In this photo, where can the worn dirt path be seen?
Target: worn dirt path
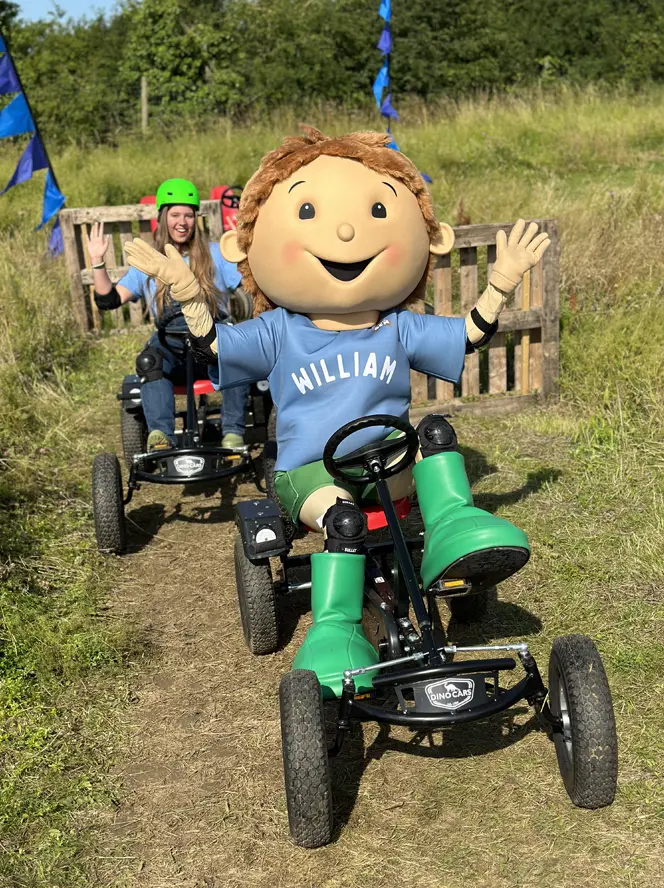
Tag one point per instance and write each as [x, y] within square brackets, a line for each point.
[201, 789]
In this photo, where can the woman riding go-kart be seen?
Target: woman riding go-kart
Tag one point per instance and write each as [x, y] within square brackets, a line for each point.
[178, 204]
[337, 236]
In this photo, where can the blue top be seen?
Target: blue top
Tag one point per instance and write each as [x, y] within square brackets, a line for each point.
[226, 277]
[321, 379]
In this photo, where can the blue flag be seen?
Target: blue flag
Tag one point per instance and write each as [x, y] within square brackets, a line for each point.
[386, 108]
[3, 48]
[33, 158]
[381, 82]
[385, 42]
[55, 245]
[385, 11]
[15, 118]
[426, 178]
[392, 144]
[53, 200]
[8, 77]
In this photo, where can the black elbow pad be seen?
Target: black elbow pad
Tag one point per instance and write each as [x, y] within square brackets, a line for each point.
[200, 346]
[108, 301]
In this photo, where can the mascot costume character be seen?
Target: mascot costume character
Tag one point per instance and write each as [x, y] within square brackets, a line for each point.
[335, 240]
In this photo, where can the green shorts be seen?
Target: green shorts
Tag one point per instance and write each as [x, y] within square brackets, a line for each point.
[294, 487]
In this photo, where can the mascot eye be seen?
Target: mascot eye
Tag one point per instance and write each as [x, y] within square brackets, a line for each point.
[307, 211]
[378, 211]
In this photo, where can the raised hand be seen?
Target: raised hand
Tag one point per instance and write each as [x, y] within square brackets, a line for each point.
[516, 255]
[170, 269]
[97, 243]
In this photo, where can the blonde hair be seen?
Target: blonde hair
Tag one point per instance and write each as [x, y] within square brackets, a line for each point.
[200, 262]
[298, 151]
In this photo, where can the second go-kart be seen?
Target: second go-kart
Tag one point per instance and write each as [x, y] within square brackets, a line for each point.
[197, 456]
[420, 680]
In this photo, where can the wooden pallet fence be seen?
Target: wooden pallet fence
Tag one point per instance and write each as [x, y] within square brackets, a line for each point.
[520, 364]
[123, 223]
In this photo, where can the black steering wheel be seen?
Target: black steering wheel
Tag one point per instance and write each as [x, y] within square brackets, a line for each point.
[371, 457]
[231, 197]
[166, 318]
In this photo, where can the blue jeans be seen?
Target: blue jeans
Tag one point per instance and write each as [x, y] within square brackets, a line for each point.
[159, 401]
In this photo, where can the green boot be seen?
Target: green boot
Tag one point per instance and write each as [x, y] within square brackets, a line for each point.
[336, 640]
[460, 540]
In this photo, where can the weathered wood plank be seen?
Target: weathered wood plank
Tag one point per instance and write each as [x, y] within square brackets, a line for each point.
[470, 380]
[215, 227]
[442, 305]
[517, 319]
[551, 313]
[484, 235]
[497, 349]
[525, 338]
[536, 288]
[128, 212]
[145, 231]
[418, 381]
[78, 300]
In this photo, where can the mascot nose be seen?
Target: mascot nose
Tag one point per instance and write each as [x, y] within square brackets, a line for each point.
[345, 232]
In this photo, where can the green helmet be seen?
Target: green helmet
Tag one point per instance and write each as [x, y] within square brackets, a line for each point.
[177, 191]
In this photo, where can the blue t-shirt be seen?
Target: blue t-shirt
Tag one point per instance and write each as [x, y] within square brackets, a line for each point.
[226, 277]
[321, 379]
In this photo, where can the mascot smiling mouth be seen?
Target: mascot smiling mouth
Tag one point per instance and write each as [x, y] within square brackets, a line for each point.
[345, 271]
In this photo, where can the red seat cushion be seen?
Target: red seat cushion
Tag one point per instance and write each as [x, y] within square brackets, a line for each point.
[376, 517]
[201, 387]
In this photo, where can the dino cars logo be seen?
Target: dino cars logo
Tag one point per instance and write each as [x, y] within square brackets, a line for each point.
[451, 693]
[189, 465]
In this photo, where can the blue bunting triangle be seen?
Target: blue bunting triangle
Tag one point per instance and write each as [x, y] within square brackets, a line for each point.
[8, 76]
[33, 158]
[53, 200]
[15, 118]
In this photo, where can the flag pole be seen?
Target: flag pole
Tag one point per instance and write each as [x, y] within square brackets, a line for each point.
[34, 119]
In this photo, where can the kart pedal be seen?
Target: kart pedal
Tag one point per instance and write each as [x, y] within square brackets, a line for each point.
[450, 588]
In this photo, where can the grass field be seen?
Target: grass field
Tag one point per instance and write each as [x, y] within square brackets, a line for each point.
[585, 479]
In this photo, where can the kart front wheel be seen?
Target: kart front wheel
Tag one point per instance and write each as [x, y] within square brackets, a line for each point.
[255, 592]
[134, 432]
[587, 745]
[306, 765]
[107, 506]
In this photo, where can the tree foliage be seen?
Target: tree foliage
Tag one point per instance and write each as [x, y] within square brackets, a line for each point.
[203, 58]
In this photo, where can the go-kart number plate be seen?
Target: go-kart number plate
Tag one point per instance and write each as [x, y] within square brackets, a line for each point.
[189, 465]
[451, 693]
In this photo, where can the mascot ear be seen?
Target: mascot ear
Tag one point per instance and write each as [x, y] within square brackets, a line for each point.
[229, 248]
[444, 242]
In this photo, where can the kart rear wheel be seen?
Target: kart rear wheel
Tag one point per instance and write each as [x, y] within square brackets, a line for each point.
[255, 592]
[587, 747]
[134, 432]
[107, 506]
[306, 765]
[470, 608]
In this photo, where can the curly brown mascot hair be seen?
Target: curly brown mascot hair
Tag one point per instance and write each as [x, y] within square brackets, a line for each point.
[295, 152]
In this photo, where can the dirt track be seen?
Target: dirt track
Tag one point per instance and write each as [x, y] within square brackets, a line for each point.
[201, 788]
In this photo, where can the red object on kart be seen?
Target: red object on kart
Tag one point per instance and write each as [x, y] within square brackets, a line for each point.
[229, 197]
[376, 517]
[150, 199]
[201, 387]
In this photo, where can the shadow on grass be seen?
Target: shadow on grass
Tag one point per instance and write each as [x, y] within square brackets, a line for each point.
[457, 742]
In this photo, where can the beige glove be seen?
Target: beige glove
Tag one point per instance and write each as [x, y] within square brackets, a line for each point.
[516, 255]
[173, 271]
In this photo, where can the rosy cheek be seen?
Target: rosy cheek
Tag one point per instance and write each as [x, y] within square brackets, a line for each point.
[291, 252]
[394, 255]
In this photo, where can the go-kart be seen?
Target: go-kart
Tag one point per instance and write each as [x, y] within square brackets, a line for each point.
[417, 682]
[196, 458]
